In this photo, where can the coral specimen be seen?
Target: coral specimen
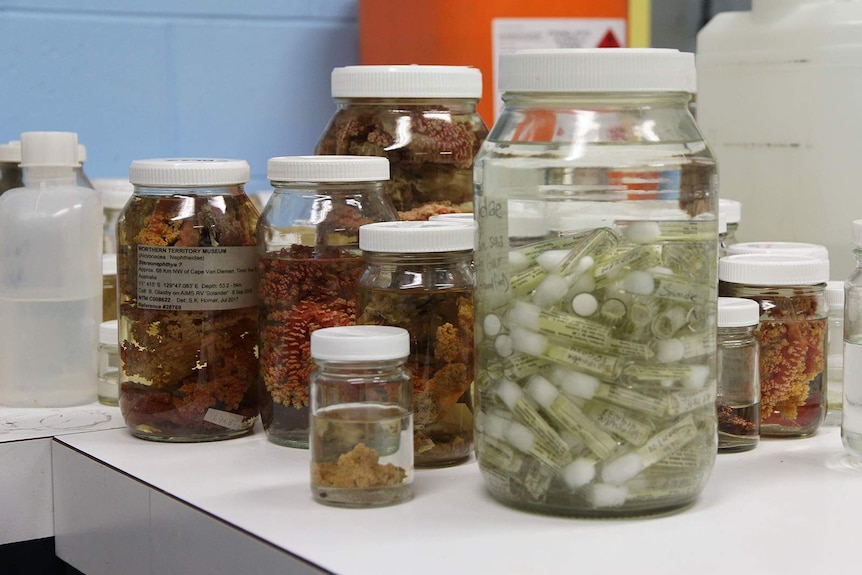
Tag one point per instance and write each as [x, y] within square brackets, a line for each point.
[359, 468]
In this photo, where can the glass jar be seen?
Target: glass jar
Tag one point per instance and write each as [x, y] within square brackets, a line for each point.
[109, 363]
[851, 418]
[835, 356]
[737, 402]
[361, 422]
[595, 375]
[419, 277]
[733, 209]
[792, 336]
[11, 175]
[109, 287]
[309, 261]
[423, 119]
[115, 192]
[187, 279]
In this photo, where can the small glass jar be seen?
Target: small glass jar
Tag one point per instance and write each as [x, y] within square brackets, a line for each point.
[109, 364]
[737, 402]
[188, 312]
[418, 277]
[309, 261]
[109, 287]
[11, 175]
[733, 211]
[851, 417]
[361, 436]
[835, 357]
[115, 192]
[791, 333]
[422, 118]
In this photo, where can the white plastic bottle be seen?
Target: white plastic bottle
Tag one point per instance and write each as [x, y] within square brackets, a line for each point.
[50, 279]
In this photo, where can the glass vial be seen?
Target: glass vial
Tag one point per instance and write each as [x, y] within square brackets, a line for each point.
[309, 261]
[188, 306]
[851, 420]
[361, 438]
[419, 277]
[737, 402]
[835, 356]
[109, 363]
[791, 333]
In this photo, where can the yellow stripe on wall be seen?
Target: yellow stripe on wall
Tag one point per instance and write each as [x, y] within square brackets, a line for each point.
[639, 23]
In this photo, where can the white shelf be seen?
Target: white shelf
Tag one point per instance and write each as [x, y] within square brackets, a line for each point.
[244, 505]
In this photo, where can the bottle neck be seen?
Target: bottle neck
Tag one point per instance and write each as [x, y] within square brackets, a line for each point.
[360, 369]
[230, 190]
[450, 105]
[419, 259]
[49, 175]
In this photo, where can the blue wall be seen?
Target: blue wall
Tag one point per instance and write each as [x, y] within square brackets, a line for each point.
[154, 78]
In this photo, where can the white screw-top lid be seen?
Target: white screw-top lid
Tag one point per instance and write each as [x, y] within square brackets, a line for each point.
[188, 172]
[835, 294]
[417, 237]
[857, 232]
[327, 169]
[732, 208]
[597, 70]
[54, 149]
[773, 269]
[360, 343]
[109, 264]
[11, 152]
[406, 82]
[737, 312]
[722, 223]
[792, 248]
[115, 192]
[108, 332]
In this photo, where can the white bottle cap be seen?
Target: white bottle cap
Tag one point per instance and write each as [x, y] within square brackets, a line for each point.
[55, 149]
[115, 192]
[732, 208]
[722, 222]
[82, 153]
[597, 70]
[773, 269]
[791, 248]
[737, 312]
[108, 333]
[406, 82]
[188, 172]
[360, 343]
[109, 264]
[417, 237]
[327, 169]
[835, 294]
[11, 152]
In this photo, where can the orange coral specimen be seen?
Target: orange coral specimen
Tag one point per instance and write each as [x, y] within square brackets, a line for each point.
[358, 468]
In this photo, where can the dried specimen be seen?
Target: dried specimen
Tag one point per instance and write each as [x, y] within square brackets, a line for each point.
[359, 468]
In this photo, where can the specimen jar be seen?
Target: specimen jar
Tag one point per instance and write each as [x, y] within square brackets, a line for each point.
[423, 119]
[109, 363]
[596, 393]
[851, 417]
[361, 436]
[309, 261]
[419, 277]
[187, 284]
[790, 290]
[733, 209]
[737, 401]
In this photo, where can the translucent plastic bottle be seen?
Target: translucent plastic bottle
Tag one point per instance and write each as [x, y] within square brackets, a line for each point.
[596, 393]
[50, 279]
[851, 422]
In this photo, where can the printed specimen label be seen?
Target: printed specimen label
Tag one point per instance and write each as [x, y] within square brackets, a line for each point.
[197, 279]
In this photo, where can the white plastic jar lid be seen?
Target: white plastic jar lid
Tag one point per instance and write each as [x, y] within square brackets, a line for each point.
[327, 169]
[732, 208]
[737, 312]
[835, 294]
[406, 82]
[417, 237]
[360, 343]
[791, 248]
[11, 152]
[773, 269]
[188, 172]
[597, 70]
[108, 333]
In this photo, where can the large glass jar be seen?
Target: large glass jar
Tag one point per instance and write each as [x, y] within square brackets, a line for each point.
[187, 283]
[792, 336]
[423, 119]
[596, 348]
[309, 261]
[419, 277]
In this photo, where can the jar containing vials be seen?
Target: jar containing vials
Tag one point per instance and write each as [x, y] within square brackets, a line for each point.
[361, 436]
[737, 402]
[792, 336]
[418, 276]
[595, 385]
[109, 364]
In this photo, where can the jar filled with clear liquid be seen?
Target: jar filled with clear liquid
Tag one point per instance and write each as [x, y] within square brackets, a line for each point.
[851, 420]
[595, 373]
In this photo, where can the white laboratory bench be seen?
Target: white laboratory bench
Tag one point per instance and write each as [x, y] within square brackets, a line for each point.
[244, 506]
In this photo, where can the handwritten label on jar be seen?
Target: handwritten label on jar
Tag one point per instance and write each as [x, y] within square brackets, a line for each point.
[197, 279]
[224, 418]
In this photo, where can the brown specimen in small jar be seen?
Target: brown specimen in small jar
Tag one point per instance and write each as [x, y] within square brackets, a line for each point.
[359, 468]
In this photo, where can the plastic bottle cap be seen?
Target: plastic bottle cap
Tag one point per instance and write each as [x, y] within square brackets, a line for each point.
[109, 264]
[11, 152]
[792, 248]
[360, 343]
[722, 222]
[737, 312]
[115, 192]
[188, 172]
[417, 237]
[55, 149]
[82, 153]
[327, 169]
[835, 294]
[773, 269]
[857, 233]
[406, 82]
[732, 208]
[108, 333]
[597, 70]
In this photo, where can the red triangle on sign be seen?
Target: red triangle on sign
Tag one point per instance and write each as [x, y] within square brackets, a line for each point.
[609, 41]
